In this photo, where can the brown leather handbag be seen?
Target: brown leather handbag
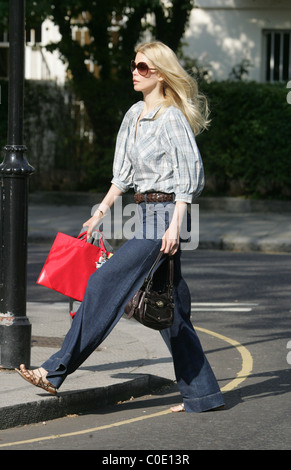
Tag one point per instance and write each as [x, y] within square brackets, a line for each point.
[154, 309]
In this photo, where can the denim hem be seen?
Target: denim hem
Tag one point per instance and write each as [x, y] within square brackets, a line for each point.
[56, 377]
[198, 405]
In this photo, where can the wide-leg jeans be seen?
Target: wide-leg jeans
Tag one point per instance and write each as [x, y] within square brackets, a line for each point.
[108, 291]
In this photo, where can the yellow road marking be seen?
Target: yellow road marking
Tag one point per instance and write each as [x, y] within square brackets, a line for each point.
[247, 364]
[247, 360]
[86, 431]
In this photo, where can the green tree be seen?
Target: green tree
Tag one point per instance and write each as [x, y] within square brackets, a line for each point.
[114, 27]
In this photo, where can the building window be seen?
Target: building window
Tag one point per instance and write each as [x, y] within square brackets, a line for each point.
[34, 35]
[277, 55]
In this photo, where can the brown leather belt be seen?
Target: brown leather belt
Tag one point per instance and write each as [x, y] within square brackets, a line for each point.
[153, 197]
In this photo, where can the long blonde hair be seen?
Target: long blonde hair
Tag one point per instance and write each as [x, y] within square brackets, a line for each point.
[180, 89]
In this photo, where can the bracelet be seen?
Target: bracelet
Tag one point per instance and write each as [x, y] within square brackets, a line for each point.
[102, 213]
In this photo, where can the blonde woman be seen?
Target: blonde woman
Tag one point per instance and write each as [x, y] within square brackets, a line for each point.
[156, 154]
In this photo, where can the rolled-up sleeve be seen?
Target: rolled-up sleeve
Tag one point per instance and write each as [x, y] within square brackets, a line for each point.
[122, 166]
[188, 171]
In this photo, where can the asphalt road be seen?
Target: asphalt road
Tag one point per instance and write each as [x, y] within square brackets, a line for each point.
[241, 308]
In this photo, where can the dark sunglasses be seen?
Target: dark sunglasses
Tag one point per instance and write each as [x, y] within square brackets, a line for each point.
[142, 68]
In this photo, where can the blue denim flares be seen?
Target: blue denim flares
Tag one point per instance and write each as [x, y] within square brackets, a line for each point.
[108, 291]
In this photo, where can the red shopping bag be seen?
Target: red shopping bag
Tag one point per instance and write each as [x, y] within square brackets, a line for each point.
[70, 263]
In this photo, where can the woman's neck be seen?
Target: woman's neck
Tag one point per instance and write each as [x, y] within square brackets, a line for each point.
[152, 100]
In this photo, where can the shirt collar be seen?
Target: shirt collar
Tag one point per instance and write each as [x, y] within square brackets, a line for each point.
[152, 113]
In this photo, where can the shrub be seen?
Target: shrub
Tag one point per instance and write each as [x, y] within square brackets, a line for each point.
[246, 152]
[248, 145]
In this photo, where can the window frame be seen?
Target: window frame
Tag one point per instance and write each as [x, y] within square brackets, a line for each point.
[275, 68]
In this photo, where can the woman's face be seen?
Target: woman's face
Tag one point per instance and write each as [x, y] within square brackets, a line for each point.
[150, 81]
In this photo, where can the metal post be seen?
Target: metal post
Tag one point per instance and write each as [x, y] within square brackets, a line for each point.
[15, 328]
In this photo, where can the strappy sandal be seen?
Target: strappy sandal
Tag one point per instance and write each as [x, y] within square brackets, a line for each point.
[37, 381]
[178, 408]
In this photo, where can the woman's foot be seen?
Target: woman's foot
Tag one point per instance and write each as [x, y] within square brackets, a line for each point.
[37, 377]
[177, 408]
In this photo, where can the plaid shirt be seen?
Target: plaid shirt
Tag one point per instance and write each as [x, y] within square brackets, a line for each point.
[162, 156]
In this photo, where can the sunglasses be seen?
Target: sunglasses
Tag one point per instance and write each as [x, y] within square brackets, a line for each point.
[142, 68]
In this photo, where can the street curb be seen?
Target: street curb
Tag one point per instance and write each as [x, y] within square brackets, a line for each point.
[79, 401]
[247, 245]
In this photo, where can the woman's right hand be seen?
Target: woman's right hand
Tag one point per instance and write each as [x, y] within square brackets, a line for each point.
[105, 205]
[92, 223]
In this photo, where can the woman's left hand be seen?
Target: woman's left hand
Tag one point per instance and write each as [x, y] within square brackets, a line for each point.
[170, 240]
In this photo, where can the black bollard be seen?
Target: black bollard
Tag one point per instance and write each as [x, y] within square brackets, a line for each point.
[15, 328]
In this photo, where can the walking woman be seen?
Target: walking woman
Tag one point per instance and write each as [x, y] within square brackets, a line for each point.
[156, 155]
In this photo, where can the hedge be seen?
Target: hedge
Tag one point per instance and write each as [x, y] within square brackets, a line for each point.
[247, 150]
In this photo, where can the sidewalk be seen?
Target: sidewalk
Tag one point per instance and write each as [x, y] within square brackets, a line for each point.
[133, 360]
[224, 223]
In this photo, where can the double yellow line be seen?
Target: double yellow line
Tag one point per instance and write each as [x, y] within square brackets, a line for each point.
[247, 365]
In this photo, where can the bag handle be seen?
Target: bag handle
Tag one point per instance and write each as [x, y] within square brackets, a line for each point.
[171, 271]
[171, 268]
[150, 273]
[83, 234]
[107, 246]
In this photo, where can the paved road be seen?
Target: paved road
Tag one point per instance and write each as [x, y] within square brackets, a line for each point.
[238, 299]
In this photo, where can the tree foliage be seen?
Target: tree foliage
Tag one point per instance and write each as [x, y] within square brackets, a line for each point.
[115, 27]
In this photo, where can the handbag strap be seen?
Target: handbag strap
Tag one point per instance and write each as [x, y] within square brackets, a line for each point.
[150, 273]
[170, 271]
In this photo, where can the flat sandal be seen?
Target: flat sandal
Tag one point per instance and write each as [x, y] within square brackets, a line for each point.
[38, 381]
